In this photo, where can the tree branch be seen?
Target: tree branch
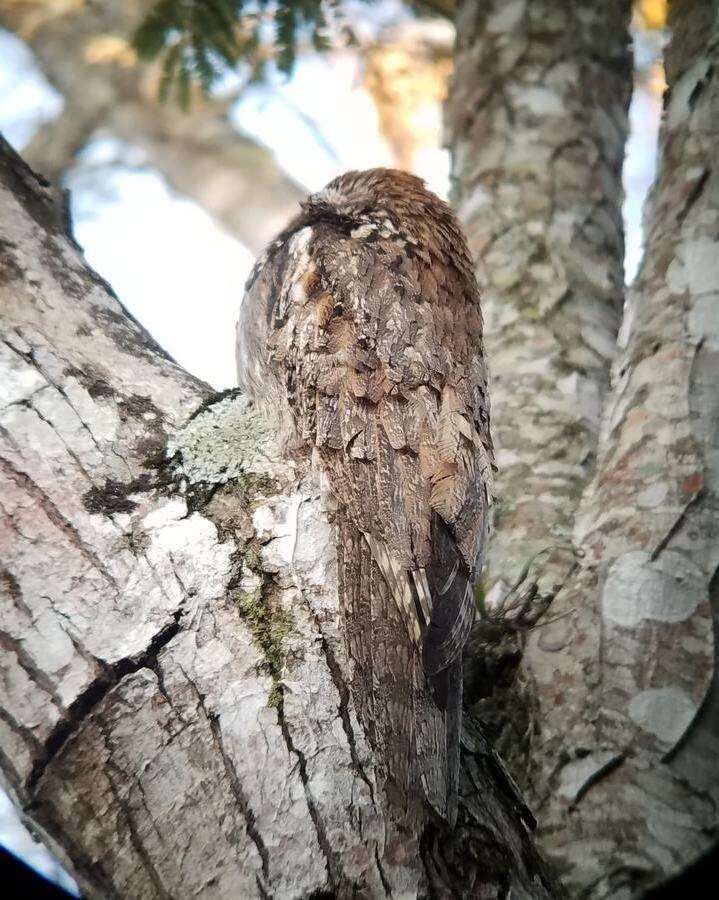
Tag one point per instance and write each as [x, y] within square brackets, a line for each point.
[200, 152]
[536, 120]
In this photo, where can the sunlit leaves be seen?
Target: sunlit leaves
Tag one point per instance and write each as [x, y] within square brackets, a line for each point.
[197, 41]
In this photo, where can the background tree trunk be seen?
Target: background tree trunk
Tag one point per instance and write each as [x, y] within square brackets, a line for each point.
[536, 122]
[620, 689]
[176, 718]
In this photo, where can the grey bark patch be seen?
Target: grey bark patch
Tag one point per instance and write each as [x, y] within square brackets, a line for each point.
[139, 406]
[94, 383]
[667, 589]
[73, 281]
[32, 190]
[133, 340]
[664, 712]
[10, 269]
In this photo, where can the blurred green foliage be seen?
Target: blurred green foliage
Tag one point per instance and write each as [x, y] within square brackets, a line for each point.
[199, 40]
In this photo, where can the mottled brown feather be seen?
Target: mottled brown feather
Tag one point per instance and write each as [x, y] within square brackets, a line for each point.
[362, 328]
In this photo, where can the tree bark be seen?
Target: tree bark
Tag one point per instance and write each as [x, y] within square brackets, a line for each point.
[634, 712]
[621, 690]
[536, 120]
[199, 152]
[176, 719]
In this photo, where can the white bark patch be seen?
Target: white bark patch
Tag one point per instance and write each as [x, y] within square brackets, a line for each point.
[664, 712]
[653, 495]
[703, 319]
[276, 524]
[696, 267]
[506, 17]
[683, 90]
[539, 100]
[19, 381]
[669, 589]
[191, 548]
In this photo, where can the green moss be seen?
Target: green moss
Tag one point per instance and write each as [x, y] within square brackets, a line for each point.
[253, 561]
[275, 697]
[268, 626]
[252, 485]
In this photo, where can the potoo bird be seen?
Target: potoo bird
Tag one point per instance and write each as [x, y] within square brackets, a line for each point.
[361, 331]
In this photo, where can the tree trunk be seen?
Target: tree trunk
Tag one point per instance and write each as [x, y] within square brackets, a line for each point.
[176, 718]
[536, 121]
[623, 705]
[84, 54]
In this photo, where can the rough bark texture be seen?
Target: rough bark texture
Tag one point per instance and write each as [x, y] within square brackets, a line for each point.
[626, 679]
[536, 121]
[83, 52]
[621, 687]
[176, 718]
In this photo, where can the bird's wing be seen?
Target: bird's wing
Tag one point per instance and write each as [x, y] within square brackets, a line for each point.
[379, 343]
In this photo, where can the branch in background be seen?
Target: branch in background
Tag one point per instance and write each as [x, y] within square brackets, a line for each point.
[84, 54]
[646, 648]
[625, 679]
[56, 144]
[233, 178]
[537, 120]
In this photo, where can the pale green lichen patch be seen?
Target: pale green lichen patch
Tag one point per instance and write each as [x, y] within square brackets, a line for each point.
[223, 442]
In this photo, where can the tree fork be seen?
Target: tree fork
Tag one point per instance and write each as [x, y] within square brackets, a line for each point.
[137, 730]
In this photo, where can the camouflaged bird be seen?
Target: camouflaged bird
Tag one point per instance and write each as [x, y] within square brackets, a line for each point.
[361, 330]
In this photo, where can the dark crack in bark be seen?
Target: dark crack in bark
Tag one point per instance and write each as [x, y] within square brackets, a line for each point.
[237, 789]
[339, 883]
[136, 839]
[87, 701]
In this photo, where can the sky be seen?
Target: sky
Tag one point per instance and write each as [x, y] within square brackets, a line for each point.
[180, 274]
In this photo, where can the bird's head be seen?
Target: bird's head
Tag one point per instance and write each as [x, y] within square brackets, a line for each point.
[375, 196]
[389, 204]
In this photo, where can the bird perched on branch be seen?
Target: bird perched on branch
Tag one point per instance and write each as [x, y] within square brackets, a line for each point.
[361, 330]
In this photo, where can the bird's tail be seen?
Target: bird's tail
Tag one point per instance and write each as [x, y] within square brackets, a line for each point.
[447, 691]
[412, 720]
